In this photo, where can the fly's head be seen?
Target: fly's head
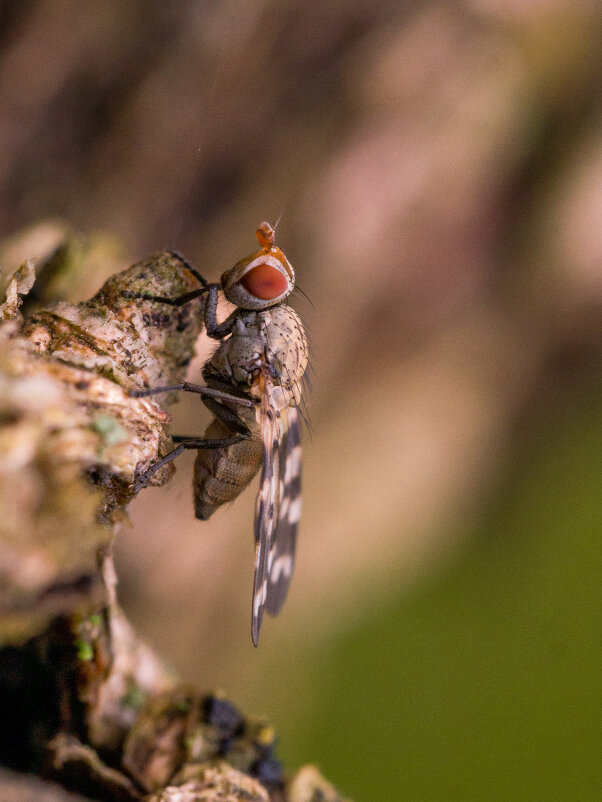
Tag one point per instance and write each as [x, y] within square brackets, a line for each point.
[263, 279]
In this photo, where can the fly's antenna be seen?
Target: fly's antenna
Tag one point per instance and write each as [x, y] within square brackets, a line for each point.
[279, 218]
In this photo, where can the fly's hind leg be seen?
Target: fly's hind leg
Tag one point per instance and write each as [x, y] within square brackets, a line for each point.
[188, 443]
[230, 418]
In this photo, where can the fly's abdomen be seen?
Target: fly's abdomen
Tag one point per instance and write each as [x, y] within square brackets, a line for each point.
[220, 475]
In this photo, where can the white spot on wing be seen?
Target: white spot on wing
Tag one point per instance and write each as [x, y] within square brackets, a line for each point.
[294, 511]
[260, 597]
[283, 565]
[284, 505]
[293, 464]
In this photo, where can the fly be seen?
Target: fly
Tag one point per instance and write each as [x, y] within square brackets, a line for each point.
[253, 387]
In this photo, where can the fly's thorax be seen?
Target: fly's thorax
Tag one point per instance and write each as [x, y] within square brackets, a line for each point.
[286, 345]
[239, 357]
[272, 339]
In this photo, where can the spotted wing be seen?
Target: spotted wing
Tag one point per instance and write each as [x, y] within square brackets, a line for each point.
[281, 556]
[277, 508]
[266, 506]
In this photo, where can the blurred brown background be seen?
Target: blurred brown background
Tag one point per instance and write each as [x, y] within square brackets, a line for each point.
[438, 167]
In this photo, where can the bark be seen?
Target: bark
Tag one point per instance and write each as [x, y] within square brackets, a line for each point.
[83, 701]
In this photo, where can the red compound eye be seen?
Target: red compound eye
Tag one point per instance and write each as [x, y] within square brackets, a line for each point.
[264, 282]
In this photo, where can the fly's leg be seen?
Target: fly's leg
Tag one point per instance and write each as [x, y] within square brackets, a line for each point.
[219, 410]
[187, 443]
[201, 279]
[225, 414]
[199, 389]
[179, 301]
[214, 329]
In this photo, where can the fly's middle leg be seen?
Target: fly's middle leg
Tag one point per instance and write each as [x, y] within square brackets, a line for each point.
[199, 389]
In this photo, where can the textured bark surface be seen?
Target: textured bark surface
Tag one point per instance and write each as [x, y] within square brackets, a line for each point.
[82, 699]
[439, 169]
[72, 438]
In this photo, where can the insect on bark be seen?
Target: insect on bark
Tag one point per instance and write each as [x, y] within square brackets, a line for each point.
[253, 387]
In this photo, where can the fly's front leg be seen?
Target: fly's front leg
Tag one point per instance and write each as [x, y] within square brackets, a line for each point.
[225, 414]
[216, 330]
[181, 299]
[160, 299]
[189, 267]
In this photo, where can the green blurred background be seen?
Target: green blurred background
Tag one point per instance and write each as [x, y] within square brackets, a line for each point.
[439, 170]
[484, 681]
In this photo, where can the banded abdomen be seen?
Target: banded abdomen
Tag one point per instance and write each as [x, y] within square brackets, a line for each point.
[220, 475]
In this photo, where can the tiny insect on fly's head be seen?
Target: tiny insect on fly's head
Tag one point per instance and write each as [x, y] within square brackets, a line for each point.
[260, 280]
